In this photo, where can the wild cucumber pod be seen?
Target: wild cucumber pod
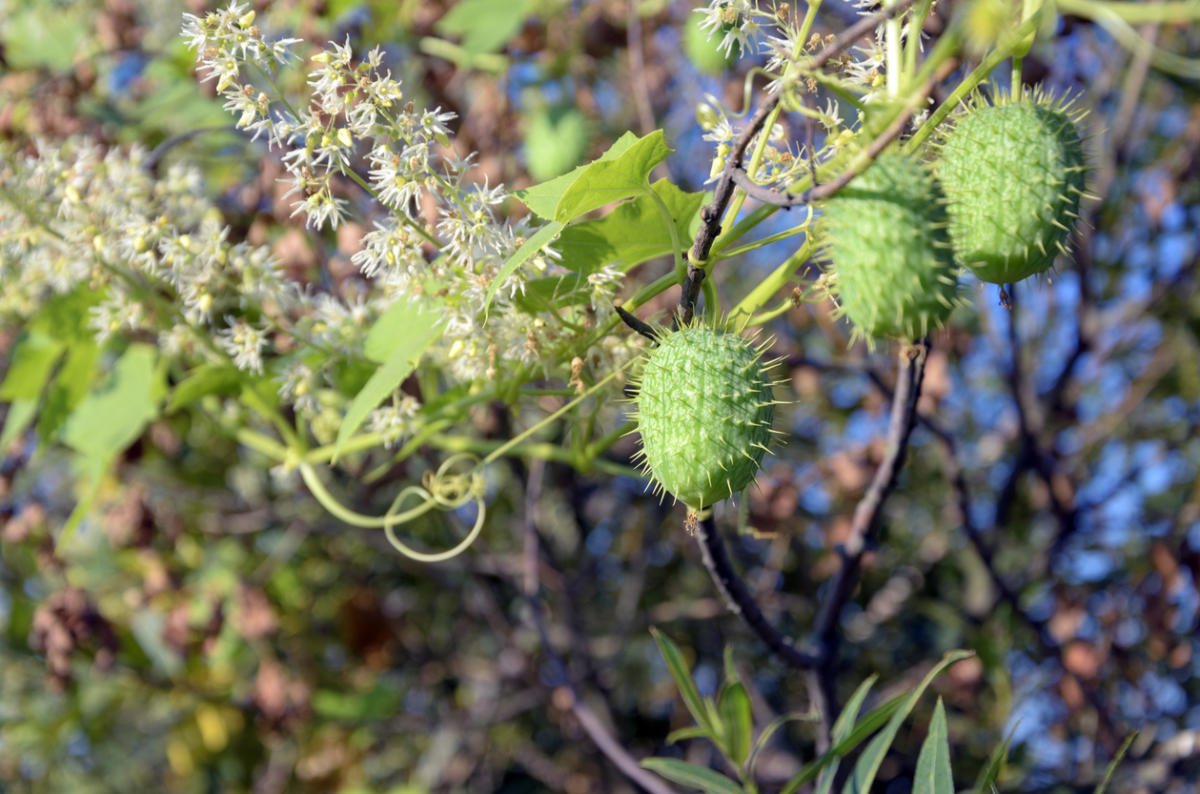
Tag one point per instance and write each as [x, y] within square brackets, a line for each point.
[1013, 173]
[704, 411]
[893, 273]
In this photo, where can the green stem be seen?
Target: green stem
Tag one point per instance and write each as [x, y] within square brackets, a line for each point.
[970, 83]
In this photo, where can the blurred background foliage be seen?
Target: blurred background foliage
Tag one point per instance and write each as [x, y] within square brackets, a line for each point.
[220, 632]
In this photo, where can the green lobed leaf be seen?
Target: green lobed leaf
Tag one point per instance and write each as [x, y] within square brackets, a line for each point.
[42, 36]
[606, 181]
[542, 199]
[69, 386]
[872, 758]
[632, 233]
[698, 777]
[934, 775]
[33, 360]
[416, 328]
[683, 679]
[112, 416]
[485, 25]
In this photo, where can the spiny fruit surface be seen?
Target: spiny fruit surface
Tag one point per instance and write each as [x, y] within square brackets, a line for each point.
[1013, 173]
[893, 271]
[704, 411]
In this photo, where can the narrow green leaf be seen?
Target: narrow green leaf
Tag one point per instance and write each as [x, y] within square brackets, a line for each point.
[690, 732]
[698, 777]
[542, 199]
[934, 775]
[1116, 762]
[418, 330]
[845, 721]
[872, 758]
[864, 728]
[769, 731]
[33, 360]
[607, 181]
[683, 679]
[995, 765]
[113, 415]
[390, 326]
[202, 381]
[520, 256]
[733, 704]
[841, 729]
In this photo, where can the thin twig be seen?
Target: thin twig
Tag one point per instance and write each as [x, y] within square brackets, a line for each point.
[911, 372]
[820, 660]
[823, 191]
[711, 215]
[592, 725]
[741, 601]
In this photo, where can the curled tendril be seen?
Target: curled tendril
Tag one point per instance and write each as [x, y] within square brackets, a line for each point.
[449, 487]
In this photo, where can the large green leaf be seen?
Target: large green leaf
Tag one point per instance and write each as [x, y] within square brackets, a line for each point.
[606, 181]
[542, 199]
[484, 25]
[42, 35]
[698, 777]
[113, 415]
[632, 233]
[415, 328]
[33, 360]
[69, 386]
[934, 775]
[872, 758]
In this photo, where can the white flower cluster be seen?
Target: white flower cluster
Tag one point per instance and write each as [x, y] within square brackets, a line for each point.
[76, 216]
[778, 30]
[439, 234]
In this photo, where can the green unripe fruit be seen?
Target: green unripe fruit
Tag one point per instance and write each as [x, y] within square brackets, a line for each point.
[893, 271]
[704, 411]
[1013, 175]
[705, 53]
[555, 142]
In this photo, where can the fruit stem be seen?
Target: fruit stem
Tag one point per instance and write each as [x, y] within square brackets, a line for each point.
[894, 63]
[977, 76]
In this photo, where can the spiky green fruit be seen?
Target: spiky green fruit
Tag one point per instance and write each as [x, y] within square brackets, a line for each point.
[893, 273]
[1013, 173]
[704, 411]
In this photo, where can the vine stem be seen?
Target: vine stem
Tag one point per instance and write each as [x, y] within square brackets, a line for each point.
[712, 214]
[865, 524]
